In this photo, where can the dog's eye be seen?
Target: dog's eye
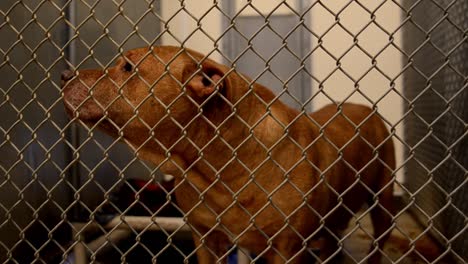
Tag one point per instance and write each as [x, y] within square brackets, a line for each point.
[205, 81]
[128, 67]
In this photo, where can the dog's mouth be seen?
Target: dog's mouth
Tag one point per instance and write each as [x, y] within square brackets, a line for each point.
[107, 125]
[90, 113]
[68, 109]
[104, 124]
[86, 111]
[79, 104]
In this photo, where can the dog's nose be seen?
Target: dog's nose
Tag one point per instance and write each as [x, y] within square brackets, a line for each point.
[67, 75]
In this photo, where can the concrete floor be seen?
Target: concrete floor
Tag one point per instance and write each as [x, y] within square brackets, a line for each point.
[408, 243]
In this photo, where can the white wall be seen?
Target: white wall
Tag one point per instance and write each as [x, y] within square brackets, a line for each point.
[337, 83]
[181, 26]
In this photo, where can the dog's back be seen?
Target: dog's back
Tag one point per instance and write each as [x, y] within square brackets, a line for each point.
[359, 138]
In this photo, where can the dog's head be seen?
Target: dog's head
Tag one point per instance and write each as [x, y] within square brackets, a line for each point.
[149, 90]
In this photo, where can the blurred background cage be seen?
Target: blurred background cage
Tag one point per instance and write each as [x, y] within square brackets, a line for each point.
[406, 58]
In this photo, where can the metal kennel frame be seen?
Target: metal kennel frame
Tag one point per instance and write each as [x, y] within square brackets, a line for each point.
[436, 126]
[55, 176]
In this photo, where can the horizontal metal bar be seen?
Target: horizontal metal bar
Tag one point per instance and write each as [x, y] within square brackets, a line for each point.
[148, 223]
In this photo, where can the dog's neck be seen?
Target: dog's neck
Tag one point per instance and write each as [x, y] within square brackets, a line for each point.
[236, 131]
[247, 123]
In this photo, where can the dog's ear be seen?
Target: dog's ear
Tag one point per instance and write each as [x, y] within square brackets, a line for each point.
[203, 79]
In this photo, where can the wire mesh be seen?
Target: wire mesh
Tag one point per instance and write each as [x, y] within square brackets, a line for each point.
[70, 193]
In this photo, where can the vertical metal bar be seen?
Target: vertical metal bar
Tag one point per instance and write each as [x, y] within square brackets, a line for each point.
[305, 46]
[228, 47]
[73, 134]
[158, 10]
[71, 17]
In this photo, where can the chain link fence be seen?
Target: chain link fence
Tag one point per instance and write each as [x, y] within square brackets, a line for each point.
[70, 193]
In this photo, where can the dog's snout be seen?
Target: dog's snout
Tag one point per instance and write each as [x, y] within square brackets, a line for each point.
[67, 75]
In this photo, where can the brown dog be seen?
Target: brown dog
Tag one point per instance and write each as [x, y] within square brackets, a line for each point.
[250, 171]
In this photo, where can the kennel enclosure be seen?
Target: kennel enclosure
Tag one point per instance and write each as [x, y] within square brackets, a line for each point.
[407, 59]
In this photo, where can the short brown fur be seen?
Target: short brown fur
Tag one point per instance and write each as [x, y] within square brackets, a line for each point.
[249, 170]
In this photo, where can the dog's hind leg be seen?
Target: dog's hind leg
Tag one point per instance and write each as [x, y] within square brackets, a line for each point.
[381, 217]
[330, 251]
[287, 251]
[383, 211]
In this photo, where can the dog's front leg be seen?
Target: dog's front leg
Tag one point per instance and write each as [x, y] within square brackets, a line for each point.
[211, 247]
[286, 251]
